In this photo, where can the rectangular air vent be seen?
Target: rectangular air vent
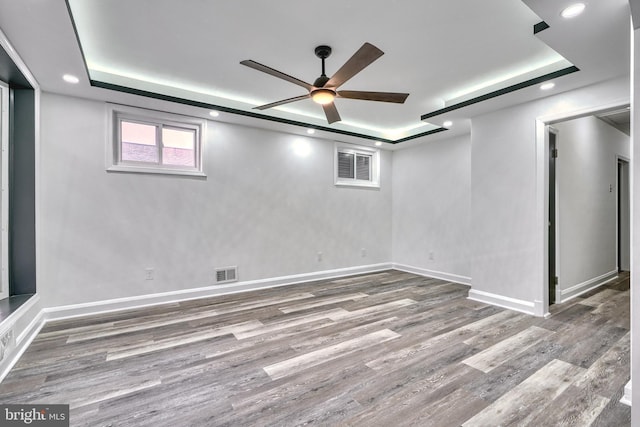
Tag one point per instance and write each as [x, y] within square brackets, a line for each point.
[226, 275]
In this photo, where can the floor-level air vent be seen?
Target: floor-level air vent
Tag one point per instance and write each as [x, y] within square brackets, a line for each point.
[228, 274]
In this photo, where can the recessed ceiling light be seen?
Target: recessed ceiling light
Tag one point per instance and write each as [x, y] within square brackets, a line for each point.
[378, 143]
[547, 86]
[447, 124]
[70, 78]
[311, 131]
[573, 10]
[214, 113]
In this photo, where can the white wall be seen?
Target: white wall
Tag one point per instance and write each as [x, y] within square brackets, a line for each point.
[262, 208]
[586, 176]
[506, 223]
[431, 207]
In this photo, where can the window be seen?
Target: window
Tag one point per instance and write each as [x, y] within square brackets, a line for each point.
[357, 166]
[153, 142]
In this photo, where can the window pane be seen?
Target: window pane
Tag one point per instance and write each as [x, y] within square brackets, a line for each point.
[179, 147]
[345, 165]
[363, 167]
[138, 142]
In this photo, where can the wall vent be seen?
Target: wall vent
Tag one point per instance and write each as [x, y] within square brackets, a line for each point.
[226, 275]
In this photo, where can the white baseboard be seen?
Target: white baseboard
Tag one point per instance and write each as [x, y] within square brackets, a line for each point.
[626, 398]
[564, 295]
[434, 274]
[502, 301]
[107, 306]
[25, 336]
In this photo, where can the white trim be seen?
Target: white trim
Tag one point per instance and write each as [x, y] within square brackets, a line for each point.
[542, 214]
[374, 182]
[586, 286]
[17, 60]
[25, 337]
[435, 274]
[11, 320]
[626, 398]
[117, 113]
[4, 185]
[502, 301]
[107, 306]
[154, 170]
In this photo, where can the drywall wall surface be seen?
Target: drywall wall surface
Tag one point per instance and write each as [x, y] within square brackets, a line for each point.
[262, 207]
[431, 206]
[586, 182]
[506, 230]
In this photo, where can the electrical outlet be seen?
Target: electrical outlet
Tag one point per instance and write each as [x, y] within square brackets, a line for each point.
[363, 252]
[319, 256]
[148, 274]
[431, 255]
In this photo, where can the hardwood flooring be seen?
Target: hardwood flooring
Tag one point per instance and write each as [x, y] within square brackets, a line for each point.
[380, 349]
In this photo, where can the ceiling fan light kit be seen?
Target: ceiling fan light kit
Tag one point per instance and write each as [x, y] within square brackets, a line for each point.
[323, 96]
[324, 89]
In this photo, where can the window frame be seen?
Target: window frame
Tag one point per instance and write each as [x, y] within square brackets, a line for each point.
[373, 153]
[119, 113]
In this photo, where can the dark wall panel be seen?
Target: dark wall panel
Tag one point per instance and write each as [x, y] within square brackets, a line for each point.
[22, 219]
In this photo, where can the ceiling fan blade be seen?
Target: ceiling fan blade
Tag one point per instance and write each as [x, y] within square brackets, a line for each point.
[398, 98]
[284, 101]
[358, 62]
[260, 67]
[331, 112]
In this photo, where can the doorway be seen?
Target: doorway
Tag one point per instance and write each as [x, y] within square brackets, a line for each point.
[587, 202]
[553, 155]
[624, 220]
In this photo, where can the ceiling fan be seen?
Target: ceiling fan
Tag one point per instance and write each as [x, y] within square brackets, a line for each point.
[325, 89]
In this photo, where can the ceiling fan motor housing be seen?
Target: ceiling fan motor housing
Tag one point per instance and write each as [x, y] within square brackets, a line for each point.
[323, 51]
[321, 81]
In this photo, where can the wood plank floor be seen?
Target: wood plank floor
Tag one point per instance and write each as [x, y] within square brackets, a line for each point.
[382, 349]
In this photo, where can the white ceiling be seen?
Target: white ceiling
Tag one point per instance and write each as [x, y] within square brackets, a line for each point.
[440, 52]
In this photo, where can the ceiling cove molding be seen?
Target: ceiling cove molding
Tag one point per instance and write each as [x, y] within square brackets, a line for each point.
[75, 32]
[504, 91]
[222, 109]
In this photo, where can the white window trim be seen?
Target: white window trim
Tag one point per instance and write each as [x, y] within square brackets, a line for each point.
[116, 113]
[356, 149]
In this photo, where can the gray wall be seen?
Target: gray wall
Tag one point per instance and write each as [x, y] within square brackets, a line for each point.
[431, 207]
[587, 169]
[262, 208]
[507, 218]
